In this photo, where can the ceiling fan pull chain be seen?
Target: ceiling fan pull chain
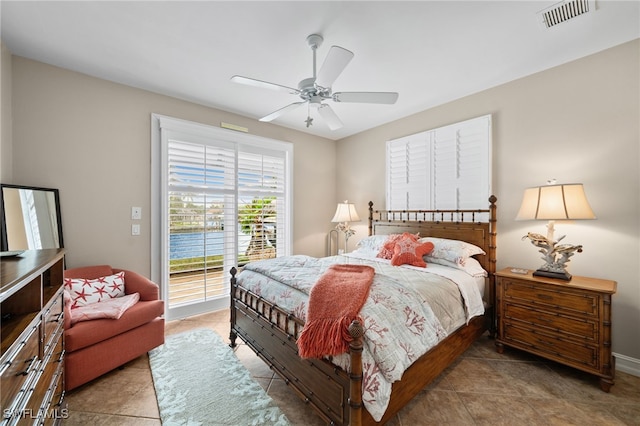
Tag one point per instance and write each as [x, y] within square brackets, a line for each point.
[309, 120]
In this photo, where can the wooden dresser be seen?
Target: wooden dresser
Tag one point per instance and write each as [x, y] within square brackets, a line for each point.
[565, 321]
[32, 338]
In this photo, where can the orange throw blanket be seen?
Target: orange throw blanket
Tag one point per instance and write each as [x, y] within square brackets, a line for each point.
[334, 302]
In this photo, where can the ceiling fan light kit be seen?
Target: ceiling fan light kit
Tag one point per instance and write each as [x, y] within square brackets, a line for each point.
[314, 90]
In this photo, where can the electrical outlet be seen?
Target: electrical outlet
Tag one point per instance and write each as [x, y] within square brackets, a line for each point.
[136, 213]
[135, 229]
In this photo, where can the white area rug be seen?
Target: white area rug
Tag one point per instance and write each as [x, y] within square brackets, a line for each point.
[200, 381]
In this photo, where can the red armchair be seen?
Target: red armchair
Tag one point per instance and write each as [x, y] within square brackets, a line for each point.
[96, 347]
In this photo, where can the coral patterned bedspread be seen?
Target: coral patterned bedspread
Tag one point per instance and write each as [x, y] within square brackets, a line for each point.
[409, 310]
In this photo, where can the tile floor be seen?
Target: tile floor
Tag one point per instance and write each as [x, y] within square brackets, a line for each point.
[481, 388]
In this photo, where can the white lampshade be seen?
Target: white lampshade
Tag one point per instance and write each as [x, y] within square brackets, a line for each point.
[555, 202]
[346, 212]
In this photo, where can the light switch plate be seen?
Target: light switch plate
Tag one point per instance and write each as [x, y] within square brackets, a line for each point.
[135, 229]
[136, 213]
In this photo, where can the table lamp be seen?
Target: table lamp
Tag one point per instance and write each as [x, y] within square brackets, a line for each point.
[554, 202]
[345, 213]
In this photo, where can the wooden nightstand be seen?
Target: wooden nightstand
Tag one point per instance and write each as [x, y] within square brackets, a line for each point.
[565, 321]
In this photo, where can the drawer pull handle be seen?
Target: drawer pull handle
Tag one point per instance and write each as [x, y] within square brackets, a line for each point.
[56, 317]
[62, 395]
[545, 342]
[31, 362]
[4, 367]
[545, 319]
[544, 296]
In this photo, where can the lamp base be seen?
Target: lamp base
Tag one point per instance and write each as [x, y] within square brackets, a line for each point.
[550, 274]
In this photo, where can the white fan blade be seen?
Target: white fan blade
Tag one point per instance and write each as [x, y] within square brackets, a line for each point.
[263, 84]
[335, 62]
[330, 117]
[281, 111]
[366, 97]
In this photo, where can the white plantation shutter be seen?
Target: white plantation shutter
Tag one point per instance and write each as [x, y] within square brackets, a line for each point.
[406, 174]
[201, 198]
[444, 168]
[261, 192]
[473, 139]
[225, 201]
[444, 193]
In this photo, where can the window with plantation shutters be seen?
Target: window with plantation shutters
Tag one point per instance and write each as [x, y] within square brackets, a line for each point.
[444, 168]
[224, 201]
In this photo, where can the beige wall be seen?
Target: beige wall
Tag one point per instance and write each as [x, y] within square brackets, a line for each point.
[6, 150]
[578, 122]
[92, 139]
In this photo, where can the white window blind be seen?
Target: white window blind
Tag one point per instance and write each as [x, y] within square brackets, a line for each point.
[444, 168]
[261, 192]
[407, 175]
[200, 194]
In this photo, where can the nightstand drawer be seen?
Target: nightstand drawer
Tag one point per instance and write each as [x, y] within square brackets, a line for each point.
[552, 347]
[577, 303]
[577, 328]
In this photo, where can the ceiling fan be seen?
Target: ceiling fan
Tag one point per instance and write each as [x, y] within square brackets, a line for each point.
[314, 90]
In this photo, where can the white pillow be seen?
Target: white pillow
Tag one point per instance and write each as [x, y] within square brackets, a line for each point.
[471, 266]
[84, 291]
[372, 243]
[454, 251]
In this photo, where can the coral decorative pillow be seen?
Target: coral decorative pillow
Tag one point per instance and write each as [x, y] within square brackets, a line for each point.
[84, 291]
[408, 251]
[387, 249]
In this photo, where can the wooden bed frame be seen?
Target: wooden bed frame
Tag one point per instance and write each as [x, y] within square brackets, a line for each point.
[334, 393]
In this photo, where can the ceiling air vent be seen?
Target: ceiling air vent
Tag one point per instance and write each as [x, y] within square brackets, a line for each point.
[565, 10]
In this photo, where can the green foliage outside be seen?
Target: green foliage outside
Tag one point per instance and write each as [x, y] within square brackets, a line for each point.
[255, 214]
[252, 219]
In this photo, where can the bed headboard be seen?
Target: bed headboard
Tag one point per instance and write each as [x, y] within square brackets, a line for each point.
[477, 227]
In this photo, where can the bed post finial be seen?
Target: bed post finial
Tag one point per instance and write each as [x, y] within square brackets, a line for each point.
[356, 330]
[234, 284]
[370, 218]
[491, 268]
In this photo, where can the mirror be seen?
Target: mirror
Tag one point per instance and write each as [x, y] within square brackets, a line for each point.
[30, 218]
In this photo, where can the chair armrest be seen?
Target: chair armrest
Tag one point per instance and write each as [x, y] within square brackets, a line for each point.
[136, 283]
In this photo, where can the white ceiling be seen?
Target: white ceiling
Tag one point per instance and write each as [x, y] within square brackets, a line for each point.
[431, 52]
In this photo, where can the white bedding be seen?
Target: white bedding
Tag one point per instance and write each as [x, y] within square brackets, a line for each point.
[465, 282]
[409, 310]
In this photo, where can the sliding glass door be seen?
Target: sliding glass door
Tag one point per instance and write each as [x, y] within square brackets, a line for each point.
[223, 203]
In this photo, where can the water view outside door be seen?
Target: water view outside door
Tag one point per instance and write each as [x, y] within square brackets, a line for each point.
[198, 245]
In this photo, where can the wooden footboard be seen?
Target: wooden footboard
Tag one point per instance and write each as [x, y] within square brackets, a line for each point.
[271, 333]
